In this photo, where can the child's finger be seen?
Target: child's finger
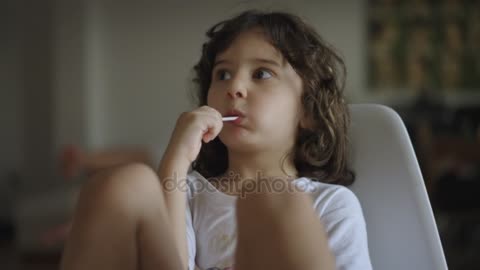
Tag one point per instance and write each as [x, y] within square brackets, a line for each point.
[215, 125]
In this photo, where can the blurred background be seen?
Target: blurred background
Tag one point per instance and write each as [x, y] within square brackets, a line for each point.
[89, 84]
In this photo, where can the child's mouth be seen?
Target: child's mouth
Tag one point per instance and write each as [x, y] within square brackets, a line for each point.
[236, 120]
[229, 118]
[234, 117]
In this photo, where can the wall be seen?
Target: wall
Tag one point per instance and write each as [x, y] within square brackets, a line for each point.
[11, 102]
[10, 96]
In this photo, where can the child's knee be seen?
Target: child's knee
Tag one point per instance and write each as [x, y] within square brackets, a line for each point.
[127, 188]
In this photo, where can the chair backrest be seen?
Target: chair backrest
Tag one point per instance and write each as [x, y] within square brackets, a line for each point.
[401, 228]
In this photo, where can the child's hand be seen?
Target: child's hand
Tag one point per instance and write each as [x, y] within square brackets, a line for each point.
[203, 123]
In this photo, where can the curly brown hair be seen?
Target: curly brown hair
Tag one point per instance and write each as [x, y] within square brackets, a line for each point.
[320, 150]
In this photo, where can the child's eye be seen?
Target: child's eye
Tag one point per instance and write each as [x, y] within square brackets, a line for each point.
[262, 74]
[223, 75]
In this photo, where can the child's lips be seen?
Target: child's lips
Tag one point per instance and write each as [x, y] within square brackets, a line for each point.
[235, 113]
[238, 120]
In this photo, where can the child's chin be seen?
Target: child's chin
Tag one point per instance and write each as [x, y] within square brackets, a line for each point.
[233, 134]
[236, 141]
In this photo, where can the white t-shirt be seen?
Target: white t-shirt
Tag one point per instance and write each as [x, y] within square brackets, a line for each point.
[211, 224]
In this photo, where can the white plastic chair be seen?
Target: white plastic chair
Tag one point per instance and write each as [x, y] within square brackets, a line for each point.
[402, 232]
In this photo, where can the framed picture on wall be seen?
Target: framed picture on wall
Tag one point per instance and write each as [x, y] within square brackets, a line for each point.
[419, 44]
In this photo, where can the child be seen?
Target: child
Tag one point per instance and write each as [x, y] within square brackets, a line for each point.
[266, 188]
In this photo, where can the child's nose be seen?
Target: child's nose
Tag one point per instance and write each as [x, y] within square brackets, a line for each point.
[237, 89]
[237, 93]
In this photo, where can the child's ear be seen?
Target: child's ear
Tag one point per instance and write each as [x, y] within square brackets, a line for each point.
[306, 122]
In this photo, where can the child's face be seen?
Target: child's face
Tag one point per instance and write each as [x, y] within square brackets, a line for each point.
[252, 78]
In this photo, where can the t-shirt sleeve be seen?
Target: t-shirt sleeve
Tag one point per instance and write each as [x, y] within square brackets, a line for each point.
[191, 241]
[345, 225]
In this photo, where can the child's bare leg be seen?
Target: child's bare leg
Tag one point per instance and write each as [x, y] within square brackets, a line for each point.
[280, 231]
[121, 223]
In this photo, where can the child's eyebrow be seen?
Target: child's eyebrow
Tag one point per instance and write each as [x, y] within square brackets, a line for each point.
[218, 62]
[261, 60]
[267, 61]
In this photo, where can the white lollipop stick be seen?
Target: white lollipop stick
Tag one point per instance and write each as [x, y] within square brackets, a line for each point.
[229, 118]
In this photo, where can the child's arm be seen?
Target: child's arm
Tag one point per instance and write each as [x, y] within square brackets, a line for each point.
[343, 220]
[192, 127]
